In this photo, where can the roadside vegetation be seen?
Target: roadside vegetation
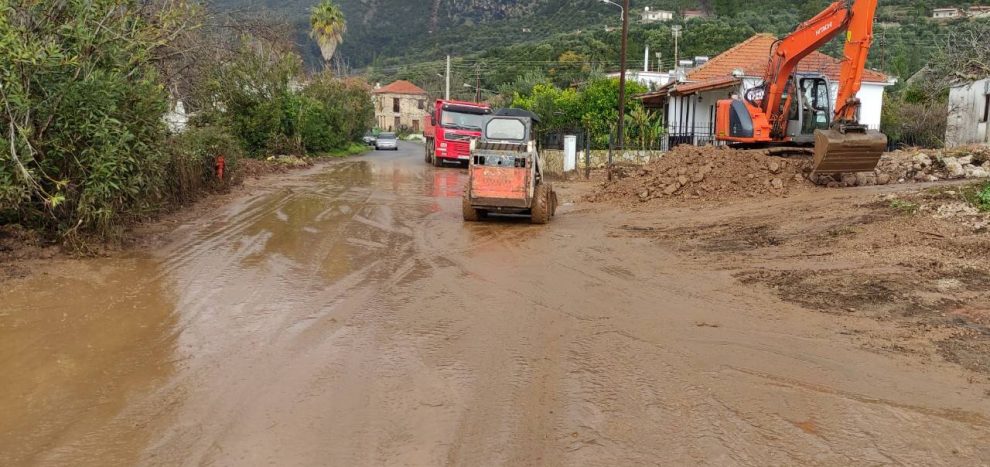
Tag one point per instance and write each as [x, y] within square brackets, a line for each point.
[978, 196]
[87, 88]
[590, 107]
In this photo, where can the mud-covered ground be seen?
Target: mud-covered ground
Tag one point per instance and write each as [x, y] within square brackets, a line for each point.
[345, 315]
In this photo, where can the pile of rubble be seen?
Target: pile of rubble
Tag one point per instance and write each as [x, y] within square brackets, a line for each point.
[690, 172]
[915, 165]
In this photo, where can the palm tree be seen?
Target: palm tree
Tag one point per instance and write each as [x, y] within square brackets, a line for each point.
[328, 27]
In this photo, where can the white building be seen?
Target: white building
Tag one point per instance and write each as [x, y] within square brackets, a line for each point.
[176, 118]
[689, 103]
[969, 112]
[946, 13]
[657, 16]
[650, 79]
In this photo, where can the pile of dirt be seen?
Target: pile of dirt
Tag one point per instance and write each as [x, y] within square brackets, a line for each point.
[919, 165]
[710, 173]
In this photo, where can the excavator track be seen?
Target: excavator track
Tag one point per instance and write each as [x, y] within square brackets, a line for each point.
[837, 152]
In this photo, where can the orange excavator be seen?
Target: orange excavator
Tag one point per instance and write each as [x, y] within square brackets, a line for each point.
[793, 109]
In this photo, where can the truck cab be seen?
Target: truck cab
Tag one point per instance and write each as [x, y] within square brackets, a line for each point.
[452, 125]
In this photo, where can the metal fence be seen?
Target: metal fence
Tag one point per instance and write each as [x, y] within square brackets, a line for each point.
[700, 136]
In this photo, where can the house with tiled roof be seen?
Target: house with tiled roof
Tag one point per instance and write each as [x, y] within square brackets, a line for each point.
[400, 105]
[688, 103]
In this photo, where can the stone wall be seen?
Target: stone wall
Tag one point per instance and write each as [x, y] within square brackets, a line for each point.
[553, 159]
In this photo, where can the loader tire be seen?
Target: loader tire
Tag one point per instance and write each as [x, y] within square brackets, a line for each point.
[542, 204]
[470, 213]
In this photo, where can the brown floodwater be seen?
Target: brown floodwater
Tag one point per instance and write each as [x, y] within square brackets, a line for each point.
[347, 316]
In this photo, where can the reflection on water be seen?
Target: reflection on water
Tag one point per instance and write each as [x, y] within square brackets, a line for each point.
[101, 356]
[448, 183]
[75, 344]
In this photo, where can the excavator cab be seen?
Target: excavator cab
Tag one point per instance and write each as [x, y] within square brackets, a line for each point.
[810, 109]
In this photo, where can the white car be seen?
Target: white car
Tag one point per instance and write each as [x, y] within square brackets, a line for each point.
[387, 141]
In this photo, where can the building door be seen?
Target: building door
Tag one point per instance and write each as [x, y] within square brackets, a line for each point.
[415, 126]
[398, 124]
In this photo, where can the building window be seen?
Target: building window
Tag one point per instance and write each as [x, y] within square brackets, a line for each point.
[986, 109]
[422, 104]
[395, 104]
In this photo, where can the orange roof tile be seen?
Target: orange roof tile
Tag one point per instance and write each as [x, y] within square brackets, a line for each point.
[400, 87]
[753, 55]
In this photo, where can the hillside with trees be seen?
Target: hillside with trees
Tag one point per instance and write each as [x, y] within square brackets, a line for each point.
[388, 33]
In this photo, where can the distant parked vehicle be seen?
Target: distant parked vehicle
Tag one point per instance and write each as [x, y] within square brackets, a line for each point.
[387, 141]
[369, 138]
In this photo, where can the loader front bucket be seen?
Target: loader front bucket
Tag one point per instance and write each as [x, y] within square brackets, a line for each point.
[837, 152]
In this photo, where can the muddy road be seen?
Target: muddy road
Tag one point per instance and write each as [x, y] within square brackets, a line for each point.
[347, 316]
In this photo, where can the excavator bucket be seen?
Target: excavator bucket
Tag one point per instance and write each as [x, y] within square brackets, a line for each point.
[837, 152]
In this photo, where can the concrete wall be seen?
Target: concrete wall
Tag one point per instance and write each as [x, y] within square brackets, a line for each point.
[410, 114]
[967, 107]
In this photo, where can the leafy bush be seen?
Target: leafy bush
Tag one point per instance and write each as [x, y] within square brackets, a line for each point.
[917, 124]
[592, 107]
[257, 96]
[253, 96]
[192, 165]
[334, 113]
[82, 113]
[983, 198]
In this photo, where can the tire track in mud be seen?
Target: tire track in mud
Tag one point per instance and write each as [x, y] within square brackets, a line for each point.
[395, 334]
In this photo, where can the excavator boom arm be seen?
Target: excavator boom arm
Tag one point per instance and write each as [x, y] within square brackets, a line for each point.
[789, 51]
[859, 38]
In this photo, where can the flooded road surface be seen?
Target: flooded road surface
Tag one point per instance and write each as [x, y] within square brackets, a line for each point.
[347, 316]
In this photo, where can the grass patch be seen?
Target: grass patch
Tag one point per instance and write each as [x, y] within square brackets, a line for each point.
[905, 207]
[978, 195]
[351, 149]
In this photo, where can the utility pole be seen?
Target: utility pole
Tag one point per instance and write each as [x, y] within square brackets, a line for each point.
[447, 77]
[620, 129]
[477, 86]
[676, 31]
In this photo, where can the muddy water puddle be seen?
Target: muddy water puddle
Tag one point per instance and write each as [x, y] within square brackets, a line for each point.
[98, 356]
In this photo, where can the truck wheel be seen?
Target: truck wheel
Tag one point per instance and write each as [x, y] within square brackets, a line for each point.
[542, 204]
[437, 162]
[470, 213]
[430, 150]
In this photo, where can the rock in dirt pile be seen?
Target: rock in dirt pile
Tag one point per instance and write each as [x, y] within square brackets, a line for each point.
[689, 172]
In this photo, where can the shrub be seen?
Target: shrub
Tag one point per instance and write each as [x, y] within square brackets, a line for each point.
[334, 113]
[919, 124]
[253, 97]
[192, 164]
[82, 122]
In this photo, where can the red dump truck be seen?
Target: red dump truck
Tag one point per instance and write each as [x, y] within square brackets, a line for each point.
[449, 129]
